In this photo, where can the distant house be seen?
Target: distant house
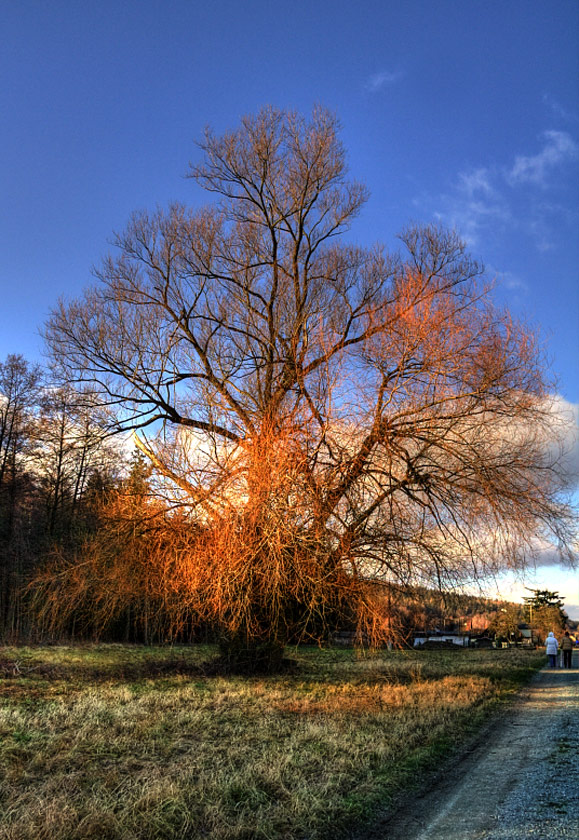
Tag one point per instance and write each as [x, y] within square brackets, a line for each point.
[526, 636]
[441, 638]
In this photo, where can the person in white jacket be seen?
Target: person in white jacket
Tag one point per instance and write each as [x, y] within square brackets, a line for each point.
[552, 646]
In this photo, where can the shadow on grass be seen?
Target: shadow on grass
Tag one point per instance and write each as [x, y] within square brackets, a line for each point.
[150, 668]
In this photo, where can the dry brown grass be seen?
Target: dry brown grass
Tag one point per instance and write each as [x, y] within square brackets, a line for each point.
[104, 743]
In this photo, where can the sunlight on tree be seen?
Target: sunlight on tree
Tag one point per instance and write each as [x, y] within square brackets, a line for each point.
[321, 414]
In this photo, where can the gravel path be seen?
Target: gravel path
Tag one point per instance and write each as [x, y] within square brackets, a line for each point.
[519, 782]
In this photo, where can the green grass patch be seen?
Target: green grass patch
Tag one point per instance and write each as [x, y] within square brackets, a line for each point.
[114, 742]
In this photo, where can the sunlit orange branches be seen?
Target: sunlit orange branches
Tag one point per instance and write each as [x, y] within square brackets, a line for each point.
[324, 415]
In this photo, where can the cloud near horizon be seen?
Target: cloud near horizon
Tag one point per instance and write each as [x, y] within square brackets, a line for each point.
[567, 417]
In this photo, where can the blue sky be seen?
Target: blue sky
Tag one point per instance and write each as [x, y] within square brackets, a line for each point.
[465, 111]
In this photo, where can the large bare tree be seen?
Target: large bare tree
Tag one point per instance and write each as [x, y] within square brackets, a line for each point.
[327, 414]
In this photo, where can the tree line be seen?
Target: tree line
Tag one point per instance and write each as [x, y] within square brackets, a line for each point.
[55, 462]
[70, 493]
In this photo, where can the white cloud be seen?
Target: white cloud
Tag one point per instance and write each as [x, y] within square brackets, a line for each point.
[554, 577]
[558, 147]
[378, 81]
[566, 415]
[477, 181]
[546, 556]
[474, 204]
[513, 282]
[559, 111]
[488, 199]
[508, 280]
[545, 567]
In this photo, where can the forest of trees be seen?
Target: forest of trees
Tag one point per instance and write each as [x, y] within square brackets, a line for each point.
[311, 416]
[55, 464]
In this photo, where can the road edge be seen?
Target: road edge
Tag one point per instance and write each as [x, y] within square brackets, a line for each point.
[393, 821]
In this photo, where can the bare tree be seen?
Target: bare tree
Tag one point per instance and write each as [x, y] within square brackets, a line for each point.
[326, 413]
[19, 393]
[71, 446]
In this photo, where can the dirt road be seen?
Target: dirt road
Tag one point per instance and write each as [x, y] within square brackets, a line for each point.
[521, 781]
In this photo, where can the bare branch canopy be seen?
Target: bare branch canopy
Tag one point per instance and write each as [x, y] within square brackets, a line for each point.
[328, 413]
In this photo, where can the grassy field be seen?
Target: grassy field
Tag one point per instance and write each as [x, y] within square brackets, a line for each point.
[109, 742]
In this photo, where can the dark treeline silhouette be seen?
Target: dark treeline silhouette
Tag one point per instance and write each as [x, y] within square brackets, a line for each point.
[56, 463]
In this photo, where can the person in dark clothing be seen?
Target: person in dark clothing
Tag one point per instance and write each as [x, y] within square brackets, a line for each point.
[567, 648]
